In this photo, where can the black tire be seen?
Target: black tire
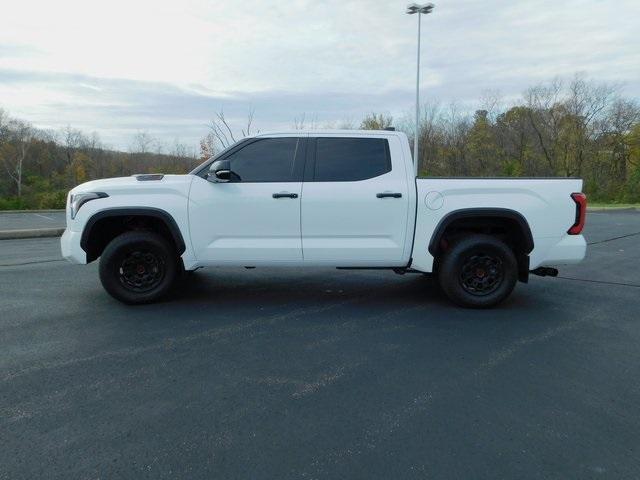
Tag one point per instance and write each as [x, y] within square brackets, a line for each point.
[478, 271]
[138, 267]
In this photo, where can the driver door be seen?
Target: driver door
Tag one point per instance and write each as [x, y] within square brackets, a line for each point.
[254, 218]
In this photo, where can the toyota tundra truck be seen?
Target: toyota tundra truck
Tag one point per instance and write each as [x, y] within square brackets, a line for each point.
[344, 199]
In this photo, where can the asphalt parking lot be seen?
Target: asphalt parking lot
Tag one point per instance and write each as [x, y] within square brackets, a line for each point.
[321, 374]
[29, 220]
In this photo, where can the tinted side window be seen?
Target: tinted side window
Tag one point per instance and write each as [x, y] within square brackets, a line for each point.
[265, 160]
[351, 159]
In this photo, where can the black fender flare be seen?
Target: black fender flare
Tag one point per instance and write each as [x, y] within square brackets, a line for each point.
[135, 212]
[465, 213]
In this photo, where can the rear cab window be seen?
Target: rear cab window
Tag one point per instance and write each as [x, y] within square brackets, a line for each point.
[349, 159]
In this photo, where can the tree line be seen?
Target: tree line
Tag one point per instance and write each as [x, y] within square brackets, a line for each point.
[574, 129]
[577, 128]
[38, 167]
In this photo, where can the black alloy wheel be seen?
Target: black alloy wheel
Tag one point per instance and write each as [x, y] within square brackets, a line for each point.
[477, 271]
[141, 271]
[481, 274]
[139, 267]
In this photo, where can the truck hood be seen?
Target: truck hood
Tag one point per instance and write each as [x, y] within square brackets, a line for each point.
[134, 184]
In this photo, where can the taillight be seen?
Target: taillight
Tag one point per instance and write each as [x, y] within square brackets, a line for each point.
[581, 213]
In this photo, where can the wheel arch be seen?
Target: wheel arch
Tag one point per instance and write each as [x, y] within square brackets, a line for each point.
[479, 215]
[119, 219]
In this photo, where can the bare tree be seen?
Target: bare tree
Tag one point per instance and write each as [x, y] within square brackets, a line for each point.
[516, 138]
[223, 133]
[620, 118]
[564, 120]
[544, 115]
[491, 102]
[246, 132]
[585, 104]
[143, 142]
[430, 135]
[72, 139]
[5, 148]
[181, 157]
[94, 149]
[208, 147]
[456, 126]
[21, 135]
[4, 119]
[344, 124]
[375, 121]
[301, 123]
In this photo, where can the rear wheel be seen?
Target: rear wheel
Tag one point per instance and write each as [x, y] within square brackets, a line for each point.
[478, 271]
[138, 267]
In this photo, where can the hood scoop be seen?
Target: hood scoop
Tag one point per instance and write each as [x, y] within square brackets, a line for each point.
[149, 177]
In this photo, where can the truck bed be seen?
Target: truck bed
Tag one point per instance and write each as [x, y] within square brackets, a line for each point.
[545, 204]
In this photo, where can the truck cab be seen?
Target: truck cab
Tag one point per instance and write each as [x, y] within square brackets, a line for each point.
[330, 199]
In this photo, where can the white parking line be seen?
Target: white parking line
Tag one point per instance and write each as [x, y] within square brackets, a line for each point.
[44, 216]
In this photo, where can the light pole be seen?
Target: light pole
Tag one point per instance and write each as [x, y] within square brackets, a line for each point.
[419, 9]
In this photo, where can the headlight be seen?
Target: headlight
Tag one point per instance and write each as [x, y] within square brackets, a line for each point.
[78, 199]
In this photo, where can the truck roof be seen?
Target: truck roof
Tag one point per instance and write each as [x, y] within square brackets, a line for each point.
[337, 132]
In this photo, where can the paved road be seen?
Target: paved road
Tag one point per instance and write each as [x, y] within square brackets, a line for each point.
[20, 221]
[321, 374]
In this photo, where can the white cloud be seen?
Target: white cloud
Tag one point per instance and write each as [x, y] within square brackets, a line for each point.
[125, 65]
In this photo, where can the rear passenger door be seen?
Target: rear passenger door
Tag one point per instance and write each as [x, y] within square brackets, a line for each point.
[354, 202]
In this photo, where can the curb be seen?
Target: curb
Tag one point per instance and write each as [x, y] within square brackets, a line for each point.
[33, 211]
[30, 233]
[613, 209]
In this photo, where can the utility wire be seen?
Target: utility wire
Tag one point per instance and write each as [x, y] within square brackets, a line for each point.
[31, 263]
[600, 281]
[614, 238]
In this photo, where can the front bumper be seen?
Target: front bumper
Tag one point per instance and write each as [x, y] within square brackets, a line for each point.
[71, 249]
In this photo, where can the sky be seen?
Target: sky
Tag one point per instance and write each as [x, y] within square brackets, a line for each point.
[167, 66]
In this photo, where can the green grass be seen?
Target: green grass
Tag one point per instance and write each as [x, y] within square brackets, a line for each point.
[613, 205]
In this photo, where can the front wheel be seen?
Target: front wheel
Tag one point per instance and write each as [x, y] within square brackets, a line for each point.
[478, 271]
[138, 267]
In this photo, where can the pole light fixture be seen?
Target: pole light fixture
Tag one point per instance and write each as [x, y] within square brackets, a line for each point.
[425, 9]
[416, 8]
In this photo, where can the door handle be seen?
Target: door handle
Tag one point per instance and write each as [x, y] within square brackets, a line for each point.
[285, 195]
[388, 195]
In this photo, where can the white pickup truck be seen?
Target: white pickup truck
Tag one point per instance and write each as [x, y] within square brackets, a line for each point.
[345, 199]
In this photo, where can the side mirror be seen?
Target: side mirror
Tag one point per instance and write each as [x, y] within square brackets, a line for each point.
[219, 171]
